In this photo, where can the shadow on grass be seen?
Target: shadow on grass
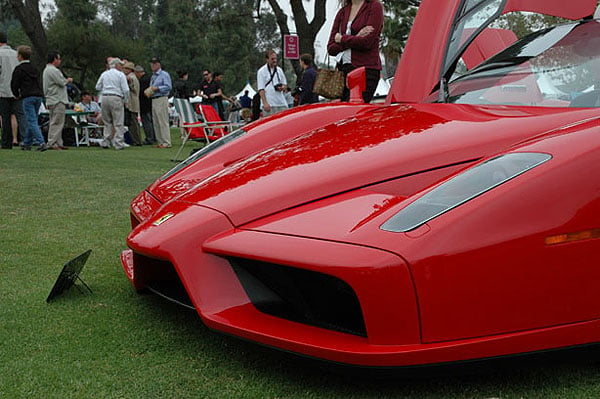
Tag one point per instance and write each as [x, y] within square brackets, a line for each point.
[530, 375]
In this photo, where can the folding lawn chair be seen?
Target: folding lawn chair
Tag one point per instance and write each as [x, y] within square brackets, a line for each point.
[215, 126]
[209, 128]
[193, 128]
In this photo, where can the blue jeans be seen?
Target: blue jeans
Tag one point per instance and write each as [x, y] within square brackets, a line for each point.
[31, 107]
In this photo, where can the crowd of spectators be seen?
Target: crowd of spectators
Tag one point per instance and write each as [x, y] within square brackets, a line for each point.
[126, 96]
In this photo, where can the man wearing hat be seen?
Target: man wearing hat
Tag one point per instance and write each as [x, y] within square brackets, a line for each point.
[160, 87]
[112, 86]
[8, 103]
[145, 105]
[133, 107]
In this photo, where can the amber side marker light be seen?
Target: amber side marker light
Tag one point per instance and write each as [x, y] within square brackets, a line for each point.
[571, 237]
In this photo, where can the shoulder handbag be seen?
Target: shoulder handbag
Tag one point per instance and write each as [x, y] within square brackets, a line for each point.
[329, 82]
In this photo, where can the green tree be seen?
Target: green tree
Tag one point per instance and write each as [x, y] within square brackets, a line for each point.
[84, 41]
[233, 25]
[219, 35]
[399, 18]
[176, 35]
[129, 18]
[306, 30]
[523, 24]
[28, 14]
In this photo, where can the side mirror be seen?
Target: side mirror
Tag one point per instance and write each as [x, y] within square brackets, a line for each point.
[357, 83]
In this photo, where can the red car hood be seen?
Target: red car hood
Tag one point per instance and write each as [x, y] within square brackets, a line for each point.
[384, 144]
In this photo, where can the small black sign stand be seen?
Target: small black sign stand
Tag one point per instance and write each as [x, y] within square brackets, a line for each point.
[69, 274]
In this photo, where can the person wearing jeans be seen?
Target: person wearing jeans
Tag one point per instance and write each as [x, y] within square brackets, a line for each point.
[25, 84]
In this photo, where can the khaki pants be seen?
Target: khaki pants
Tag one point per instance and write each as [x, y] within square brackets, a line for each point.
[113, 115]
[134, 127]
[57, 122]
[160, 120]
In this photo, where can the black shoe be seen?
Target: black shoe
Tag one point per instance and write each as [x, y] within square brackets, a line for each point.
[42, 147]
[26, 147]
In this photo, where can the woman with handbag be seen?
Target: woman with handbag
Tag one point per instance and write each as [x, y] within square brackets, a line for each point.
[354, 40]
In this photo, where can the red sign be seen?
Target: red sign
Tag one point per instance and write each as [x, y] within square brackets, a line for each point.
[291, 47]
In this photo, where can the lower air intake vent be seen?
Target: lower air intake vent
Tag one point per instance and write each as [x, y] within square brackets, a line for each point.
[300, 295]
[160, 277]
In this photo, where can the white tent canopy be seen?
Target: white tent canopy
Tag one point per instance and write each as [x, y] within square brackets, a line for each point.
[251, 91]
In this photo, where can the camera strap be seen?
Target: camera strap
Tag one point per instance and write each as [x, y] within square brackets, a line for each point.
[272, 75]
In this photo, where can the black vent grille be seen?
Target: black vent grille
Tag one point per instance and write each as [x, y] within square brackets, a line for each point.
[301, 295]
[160, 277]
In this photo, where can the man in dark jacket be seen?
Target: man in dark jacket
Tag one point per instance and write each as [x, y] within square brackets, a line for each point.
[307, 96]
[145, 105]
[25, 85]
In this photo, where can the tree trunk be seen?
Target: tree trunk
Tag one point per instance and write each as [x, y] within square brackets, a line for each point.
[307, 32]
[28, 14]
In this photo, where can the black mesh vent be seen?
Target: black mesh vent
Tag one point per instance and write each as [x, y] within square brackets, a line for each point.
[300, 295]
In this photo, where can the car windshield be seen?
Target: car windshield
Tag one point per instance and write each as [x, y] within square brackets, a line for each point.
[556, 67]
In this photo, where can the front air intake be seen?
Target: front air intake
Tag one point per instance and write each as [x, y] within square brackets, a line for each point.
[301, 295]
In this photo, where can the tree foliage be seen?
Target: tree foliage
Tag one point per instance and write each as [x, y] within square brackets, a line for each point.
[306, 30]
[523, 24]
[185, 34]
[399, 18]
[28, 14]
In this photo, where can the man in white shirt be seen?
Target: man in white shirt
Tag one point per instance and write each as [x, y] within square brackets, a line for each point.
[272, 85]
[112, 86]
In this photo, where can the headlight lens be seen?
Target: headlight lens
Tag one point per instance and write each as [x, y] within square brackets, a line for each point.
[463, 188]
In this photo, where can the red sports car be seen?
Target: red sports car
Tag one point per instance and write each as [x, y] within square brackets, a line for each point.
[460, 220]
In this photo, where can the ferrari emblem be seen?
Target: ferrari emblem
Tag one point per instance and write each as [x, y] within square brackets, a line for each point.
[163, 219]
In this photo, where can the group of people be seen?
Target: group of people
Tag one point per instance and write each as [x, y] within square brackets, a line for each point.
[126, 91]
[210, 89]
[18, 76]
[354, 41]
[274, 95]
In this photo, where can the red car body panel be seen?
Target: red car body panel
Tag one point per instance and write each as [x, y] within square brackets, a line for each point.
[277, 237]
[383, 144]
[261, 134]
[469, 296]
[488, 43]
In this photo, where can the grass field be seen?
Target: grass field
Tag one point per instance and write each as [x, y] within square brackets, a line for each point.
[115, 343]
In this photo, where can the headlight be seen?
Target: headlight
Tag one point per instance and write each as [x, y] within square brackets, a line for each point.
[463, 188]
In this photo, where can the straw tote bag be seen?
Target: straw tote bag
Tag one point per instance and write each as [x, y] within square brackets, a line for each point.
[329, 83]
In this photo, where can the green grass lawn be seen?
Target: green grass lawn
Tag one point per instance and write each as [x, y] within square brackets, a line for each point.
[115, 343]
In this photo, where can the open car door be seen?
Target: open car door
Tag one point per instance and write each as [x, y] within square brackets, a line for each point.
[431, 54]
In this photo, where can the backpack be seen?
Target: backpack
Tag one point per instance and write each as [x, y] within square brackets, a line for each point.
[256, 106]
